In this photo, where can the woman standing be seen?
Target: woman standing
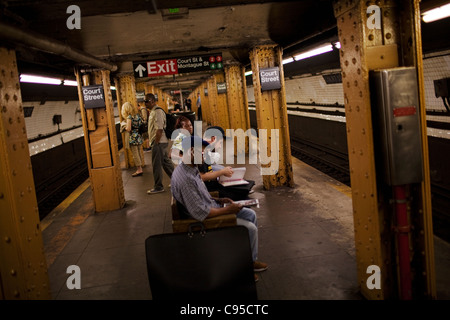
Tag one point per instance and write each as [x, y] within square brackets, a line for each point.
[134, 121]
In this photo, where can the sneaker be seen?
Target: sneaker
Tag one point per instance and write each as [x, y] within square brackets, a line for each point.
[259, 266]
[256, 277]
[153, 191]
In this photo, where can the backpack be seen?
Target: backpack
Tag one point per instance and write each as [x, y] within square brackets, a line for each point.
[170, 124]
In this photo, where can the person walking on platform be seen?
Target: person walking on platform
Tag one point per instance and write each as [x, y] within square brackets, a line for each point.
[190, 191]
[199, 107]
[159, 143]
[133, 122]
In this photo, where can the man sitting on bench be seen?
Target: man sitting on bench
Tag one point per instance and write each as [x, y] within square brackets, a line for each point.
[188, 189]
[210, 170]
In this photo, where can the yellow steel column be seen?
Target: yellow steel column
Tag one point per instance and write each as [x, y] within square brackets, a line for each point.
[213, 117]
[237, 101]
[394, 42]
[23, 269]
[271, 113]
[223, 119]
[205, 102]
[161, 99]
[101, 146]
[140, 86]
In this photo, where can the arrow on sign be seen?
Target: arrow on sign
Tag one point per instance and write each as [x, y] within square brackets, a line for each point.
[140, 68]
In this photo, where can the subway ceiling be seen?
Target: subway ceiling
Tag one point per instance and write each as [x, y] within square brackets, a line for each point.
[144, 30]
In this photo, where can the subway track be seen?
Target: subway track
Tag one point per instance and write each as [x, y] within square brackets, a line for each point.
[335, 165]
[328, 161]
[52, 193]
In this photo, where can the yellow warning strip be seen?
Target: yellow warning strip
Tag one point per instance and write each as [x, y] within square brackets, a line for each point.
[64, 205]
[60, 240]
[342, 188]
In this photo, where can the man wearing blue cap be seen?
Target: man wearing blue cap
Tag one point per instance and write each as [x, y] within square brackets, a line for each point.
[189, 190]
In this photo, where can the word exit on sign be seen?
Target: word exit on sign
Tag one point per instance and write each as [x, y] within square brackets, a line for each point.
[165, 67]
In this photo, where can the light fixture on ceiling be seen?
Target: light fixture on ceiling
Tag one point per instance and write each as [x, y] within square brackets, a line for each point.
[437, 13]
[288, 60]
[314, 52]
[28, 78]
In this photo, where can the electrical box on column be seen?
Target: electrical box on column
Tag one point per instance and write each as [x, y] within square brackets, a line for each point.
[395, 104]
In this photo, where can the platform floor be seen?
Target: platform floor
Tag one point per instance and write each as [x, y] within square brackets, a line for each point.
[305, 235]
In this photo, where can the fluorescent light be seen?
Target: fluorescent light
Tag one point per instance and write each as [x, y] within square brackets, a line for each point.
[314, 52]
[437, 13]
[70, 83]
[44, 80]
[288, 60]
[337, 45]
[248, 73]
[37, 79]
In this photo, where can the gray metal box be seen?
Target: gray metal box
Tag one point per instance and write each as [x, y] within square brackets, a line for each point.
[395, 107]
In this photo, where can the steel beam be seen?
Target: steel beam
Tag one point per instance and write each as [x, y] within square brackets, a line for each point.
[237, 101]
[366, 46]
[101, 146]
[23, 268]
[223, 119]
[271, 113]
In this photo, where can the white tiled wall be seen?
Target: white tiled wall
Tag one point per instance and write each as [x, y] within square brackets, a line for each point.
[41, 123]
[435, 67]
[41, 120]
[314, 89]
[309, 88]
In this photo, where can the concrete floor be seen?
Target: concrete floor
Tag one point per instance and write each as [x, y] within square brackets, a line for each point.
[305, 235]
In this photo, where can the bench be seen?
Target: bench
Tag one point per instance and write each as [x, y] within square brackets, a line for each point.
[181, 224]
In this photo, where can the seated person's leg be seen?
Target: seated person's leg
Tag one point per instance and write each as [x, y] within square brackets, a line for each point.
[253, 235]
[247, 214]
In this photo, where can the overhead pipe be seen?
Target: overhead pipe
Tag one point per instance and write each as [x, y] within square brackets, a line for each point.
[403, 230]
[52, 46]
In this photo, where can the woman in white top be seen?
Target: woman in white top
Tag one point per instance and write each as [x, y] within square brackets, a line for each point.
[185, 128]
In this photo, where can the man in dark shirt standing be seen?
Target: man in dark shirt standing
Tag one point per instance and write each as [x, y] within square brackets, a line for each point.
[189, 189]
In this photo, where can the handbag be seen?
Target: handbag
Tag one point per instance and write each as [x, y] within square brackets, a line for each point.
[212, 264]
[143, 128]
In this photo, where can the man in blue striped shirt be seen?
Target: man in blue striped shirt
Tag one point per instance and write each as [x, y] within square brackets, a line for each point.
[189, 189]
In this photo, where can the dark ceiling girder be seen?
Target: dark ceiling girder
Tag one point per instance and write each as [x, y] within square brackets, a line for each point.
[43, 43]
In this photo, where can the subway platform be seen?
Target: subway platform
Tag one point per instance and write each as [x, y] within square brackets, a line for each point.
[305, 235]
